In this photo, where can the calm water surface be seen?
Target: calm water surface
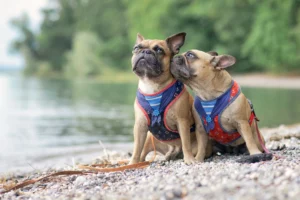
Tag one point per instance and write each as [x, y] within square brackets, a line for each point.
[40, 118]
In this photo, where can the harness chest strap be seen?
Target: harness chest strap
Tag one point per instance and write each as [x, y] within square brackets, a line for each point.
[155, 107]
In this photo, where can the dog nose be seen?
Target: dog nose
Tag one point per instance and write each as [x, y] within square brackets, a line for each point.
[146, 51]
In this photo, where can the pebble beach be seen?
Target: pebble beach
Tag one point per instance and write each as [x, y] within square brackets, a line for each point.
[219, 177]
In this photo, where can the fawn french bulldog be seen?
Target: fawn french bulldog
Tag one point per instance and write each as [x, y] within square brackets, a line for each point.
[163, 107]
[221, 111]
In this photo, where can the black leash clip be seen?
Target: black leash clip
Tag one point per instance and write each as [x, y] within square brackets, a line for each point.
[252, 109]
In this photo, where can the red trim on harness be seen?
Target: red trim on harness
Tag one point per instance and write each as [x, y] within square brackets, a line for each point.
[252, 117]
[234, 90]
[143, 110]
[168, 107]
[161, 91]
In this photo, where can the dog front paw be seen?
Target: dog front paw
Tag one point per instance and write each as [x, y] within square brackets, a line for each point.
[133, 161]
[199, 158]
[189, 160]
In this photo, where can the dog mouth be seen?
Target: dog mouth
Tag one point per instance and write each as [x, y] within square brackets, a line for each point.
[137, 62]
[147, 66]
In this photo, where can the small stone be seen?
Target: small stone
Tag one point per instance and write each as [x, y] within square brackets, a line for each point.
[72, 178]
[79, 180]
[177, 193]
[253, 176]
[86, 183]
[169, 195]
[266, 182]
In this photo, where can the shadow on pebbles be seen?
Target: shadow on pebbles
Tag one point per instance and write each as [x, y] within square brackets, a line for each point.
[219, 177]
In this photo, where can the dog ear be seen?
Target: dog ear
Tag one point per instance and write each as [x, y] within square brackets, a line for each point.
[222, 61]
[213, 53]
[139, 38]
[175, 42]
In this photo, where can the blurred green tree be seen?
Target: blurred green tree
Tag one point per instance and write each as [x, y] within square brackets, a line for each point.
[56, 32]
[107, 19]
[84, 59]
[26, 43]
[263, 36]
[270, 42]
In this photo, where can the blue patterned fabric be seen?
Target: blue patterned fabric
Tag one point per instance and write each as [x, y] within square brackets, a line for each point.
[154, 102]
[208, 106]
[155, 106]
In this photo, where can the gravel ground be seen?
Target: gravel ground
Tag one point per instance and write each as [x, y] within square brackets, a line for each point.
[219, 177]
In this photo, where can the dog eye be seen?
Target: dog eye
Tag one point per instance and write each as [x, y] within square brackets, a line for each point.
[158, 50]
[136, 48]
[190, 55]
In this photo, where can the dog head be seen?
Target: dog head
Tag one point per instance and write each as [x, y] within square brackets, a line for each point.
[151, 58]
[195, 65]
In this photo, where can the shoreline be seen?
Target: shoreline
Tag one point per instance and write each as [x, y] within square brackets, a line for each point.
[267, 81]
[219, 176]
[259, 80]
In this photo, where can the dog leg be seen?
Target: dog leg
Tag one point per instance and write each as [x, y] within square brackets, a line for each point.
[148, 147]
[202, 140]
[140, 133]
[185, 135]
[176, 152]
[209, 149]
[245, 130]
[255, 154]
[172, 152]
[159, 147]
[169, 153]
[255, 135]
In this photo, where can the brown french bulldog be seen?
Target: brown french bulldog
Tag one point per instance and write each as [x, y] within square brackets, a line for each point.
[163, 107]
[221, 111]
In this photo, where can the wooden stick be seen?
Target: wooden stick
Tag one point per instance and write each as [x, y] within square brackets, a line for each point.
[29, 182]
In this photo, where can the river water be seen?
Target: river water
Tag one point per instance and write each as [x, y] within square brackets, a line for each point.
[44, 118]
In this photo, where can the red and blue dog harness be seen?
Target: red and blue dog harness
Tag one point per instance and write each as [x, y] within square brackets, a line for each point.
[211, 120]
[155, 107]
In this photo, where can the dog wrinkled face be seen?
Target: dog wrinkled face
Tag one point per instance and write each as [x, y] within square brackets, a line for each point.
[198, 65]
[190, 65]
[151, 58]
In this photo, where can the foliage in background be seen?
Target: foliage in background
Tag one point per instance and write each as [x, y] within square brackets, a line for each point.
[83, 60]
[83, 38]
[26, 44]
